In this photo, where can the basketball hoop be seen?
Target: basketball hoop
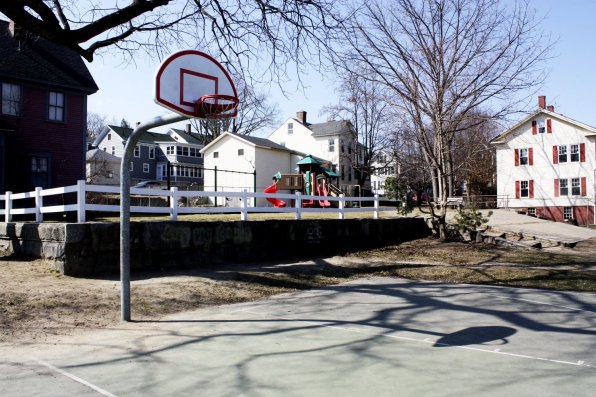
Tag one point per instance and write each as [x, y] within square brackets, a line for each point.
[216, 106]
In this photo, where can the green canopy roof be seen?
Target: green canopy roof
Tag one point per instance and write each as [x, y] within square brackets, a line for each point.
[308, 160]
[329, 173]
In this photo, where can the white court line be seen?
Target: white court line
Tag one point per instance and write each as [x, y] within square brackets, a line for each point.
[75, 378]
[546, 304]
[426, 341]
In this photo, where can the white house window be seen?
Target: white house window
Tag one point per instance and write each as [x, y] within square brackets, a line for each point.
[523, 156]
[574, 151]
[137, 151]
[145, 167]
[532, 211]
[575, 187]
[240, 152]
[290, 128]
[563, 187]
[151, 152]
[113, 150]
[56, 106]
[563, 154]
[215, 155]
[567, 213]
[541, 127]
[11, 99]
[182, 151]
[170, 150]
[524, 190]
[109, 137]
[331, 144]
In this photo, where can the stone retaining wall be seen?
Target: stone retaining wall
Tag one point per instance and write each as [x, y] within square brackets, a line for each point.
[92, 248]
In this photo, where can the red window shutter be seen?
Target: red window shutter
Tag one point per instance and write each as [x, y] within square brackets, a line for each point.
[517, 189]
[534, 127]
[530, 156]
[531, 188]
[516, 155]
[555, 154]
[549, 126]
[582, 152]
[557, 188]
[583, 185]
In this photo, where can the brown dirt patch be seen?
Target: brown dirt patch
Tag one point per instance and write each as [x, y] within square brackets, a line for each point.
[38, 303]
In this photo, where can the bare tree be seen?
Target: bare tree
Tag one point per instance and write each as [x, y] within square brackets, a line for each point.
[362, 102]
[443, 59]
[96, 123]
[278, 33]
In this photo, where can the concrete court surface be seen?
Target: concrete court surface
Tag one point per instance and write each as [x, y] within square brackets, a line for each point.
[370, 337]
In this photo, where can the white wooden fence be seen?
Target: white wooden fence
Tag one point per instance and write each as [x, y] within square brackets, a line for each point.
[8, 210]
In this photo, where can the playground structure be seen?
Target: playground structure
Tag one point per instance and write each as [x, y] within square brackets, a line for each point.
[312, 180]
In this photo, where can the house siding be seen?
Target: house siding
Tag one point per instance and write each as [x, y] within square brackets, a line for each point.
[61, 142]
[545, 169]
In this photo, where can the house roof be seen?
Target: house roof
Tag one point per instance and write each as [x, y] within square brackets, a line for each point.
[252, 140]
[146, 137]
[335, 127]
[27, 57]
[188, 137]
[588, 130]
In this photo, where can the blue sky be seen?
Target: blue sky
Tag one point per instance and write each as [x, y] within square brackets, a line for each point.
[126, 91]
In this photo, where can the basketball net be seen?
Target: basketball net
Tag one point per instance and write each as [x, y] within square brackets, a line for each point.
[216, 106]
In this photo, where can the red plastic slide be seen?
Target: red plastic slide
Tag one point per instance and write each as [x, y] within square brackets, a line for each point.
[276, 202]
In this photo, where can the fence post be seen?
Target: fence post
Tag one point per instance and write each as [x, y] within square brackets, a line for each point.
[81, 201]
[342, 204]
[215, 184]
[7, 207]
[298, 206]
[244, 209]
[376, 212]
[174, 203]
[38, 205]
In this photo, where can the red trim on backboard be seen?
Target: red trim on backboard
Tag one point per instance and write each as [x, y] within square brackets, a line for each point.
[176, 106]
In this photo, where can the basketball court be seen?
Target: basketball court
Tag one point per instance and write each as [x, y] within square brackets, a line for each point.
[378, 336]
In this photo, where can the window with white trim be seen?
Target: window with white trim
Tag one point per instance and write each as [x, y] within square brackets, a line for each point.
[574, 153]
[290, 128]
[575, 187]
[562, 153]
[137, 151]
[331, 144]
[113, 150]
[541, 127]
[146, 168]
[523, 156]
[11, 99]
[56, 106]
[152, 152]
[524, 189]
[215, 155]
[563, 187]
[170, 150]
[240, 152]
[567, 213]
[532, 211]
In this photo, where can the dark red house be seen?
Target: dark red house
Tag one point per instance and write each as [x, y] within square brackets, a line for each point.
[43, 114]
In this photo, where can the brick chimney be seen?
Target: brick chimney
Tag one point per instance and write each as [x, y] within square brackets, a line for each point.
[542, 102]
[187, 128]
[301, 116]
[550, 108]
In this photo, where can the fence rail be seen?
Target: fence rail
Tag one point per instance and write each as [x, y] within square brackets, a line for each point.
[175, 197]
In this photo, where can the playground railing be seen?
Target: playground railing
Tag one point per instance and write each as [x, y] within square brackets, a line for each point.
[83, 198]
